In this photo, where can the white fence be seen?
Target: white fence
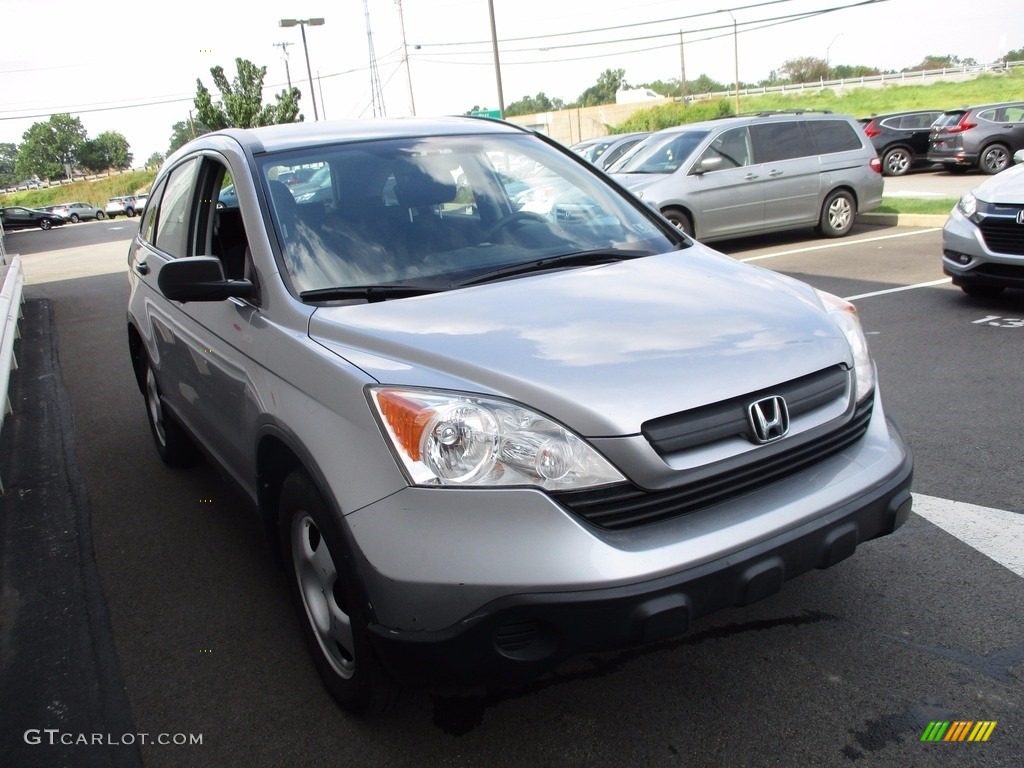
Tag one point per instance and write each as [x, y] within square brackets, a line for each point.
[13, 281]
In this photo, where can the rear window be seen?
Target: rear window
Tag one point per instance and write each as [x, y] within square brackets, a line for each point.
[947, 119]
[833, 136]
[774, 142]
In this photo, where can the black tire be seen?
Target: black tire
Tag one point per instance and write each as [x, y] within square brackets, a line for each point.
[897, 161]
[994, 158]
[45, 224]
[130, 213]
[173, 444]
[680, 220]
[328, 600]
[74, 218]
[837, 214]
[982, 291]
[100, 215]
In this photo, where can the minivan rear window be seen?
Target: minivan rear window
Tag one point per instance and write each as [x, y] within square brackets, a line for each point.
[833, 136]
[774, 142]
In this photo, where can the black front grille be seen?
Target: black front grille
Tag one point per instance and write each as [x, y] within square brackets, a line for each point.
[710, 423]
[1003, 235]
[628, 506]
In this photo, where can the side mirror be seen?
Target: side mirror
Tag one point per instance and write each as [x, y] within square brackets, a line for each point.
[708, 164]
[199, 278]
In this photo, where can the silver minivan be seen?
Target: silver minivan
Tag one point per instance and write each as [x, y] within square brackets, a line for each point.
[759, 173]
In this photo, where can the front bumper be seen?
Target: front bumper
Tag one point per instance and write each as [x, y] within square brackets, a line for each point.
[518, 637]
[967, 258]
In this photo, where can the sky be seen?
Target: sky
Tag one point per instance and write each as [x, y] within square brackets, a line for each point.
[134, 70]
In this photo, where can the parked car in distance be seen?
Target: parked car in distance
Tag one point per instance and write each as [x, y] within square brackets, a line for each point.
[140, 204]
[120, 206]
[76, 212]
[19, 217]
[483, 439]
[901, 138]
[983, 239]
[983, 137]
[603, 152]
[757, 173]
[227, 198]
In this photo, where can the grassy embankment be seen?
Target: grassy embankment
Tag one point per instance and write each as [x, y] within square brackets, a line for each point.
[859, 102]
[92, 192]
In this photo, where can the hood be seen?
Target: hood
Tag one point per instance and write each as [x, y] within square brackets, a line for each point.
[636, 182]
[1004, 187]
[601, 349]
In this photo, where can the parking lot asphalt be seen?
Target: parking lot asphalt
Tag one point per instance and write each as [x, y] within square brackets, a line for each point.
[847, 665]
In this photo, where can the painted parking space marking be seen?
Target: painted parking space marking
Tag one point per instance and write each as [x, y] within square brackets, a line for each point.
[997, 321]
[996, 533]
[930, 284]
[842, 244]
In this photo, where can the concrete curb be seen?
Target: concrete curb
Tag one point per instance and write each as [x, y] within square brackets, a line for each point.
[902, 219]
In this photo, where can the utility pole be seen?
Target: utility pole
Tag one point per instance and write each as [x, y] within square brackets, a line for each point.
[376, 93]
[497, 61]
[405, 57]
[287, 71]
[682, 68]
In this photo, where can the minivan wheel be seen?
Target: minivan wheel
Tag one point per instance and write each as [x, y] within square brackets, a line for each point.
[679, 220]
[994, 158]
[172, 442]
[326, 594]
[896, 162]
[837, 214]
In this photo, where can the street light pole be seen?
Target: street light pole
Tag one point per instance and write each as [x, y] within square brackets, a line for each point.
[301, 24]
[736, 57]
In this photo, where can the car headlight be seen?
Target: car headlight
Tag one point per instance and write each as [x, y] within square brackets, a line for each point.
[461, 439]
[844, 315]
[968, 204]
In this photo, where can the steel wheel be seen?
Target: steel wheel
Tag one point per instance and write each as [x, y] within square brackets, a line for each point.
[837, 214]
[994, 158]
[317, 579]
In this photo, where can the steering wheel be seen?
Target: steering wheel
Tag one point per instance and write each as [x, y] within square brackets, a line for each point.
[519, 217]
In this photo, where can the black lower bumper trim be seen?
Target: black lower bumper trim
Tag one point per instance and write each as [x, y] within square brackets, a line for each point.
[519, 637]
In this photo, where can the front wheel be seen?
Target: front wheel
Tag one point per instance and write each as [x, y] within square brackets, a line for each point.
[679, 220]
[326, 594]
[837, 214]
[994, 158]
[100, 215]
[74, 218]
[45, 224]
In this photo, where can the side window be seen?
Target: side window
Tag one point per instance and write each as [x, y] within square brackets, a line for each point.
[172, 223]
[147, 230]
[833, 136]
[220, 228]
[732, 146]
[774, 142]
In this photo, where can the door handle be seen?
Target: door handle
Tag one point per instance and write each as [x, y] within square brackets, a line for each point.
[142, 268]
[751, 177]
[773, 174]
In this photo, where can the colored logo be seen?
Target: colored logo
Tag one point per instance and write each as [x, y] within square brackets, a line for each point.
[958, 730]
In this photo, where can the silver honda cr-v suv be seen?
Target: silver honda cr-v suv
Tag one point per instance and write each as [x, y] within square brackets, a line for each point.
[482, 438]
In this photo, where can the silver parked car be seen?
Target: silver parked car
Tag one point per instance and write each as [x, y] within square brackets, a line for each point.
[759, 173]
[983, 240]
[76, 212]
[482, 439]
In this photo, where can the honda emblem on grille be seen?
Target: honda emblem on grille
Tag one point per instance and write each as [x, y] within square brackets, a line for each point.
[769, 419]
[1020, 216]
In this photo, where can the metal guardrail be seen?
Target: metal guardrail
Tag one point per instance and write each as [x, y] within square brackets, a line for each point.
[11, 298]
[893, 78]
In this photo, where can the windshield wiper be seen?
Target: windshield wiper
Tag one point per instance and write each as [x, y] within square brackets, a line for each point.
[370, 293]
[579, 259]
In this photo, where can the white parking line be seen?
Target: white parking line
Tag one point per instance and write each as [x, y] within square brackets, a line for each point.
[842, 244]
[943, 281]
[995, 533]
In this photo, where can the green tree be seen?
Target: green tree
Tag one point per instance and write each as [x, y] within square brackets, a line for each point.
[845, 71]
[531, 105]
[8, 161]
[108, 150]
[48, 150]
[1015, 55]
[184, 131]
[603, 91]
[949, 61]
[241, 104]
[805, 69]
[155, 160]
[705, 84]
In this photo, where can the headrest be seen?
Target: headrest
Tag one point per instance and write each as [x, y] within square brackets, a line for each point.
[415, 187]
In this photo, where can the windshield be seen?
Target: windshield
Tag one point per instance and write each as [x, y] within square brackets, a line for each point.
[435, 212]
[660, 153]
